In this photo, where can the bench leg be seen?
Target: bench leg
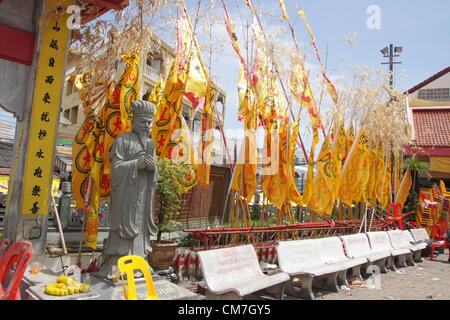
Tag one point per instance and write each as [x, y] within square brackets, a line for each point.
[390, 265]
[226, 296]
[381, 264]
[327, 282]
[400, 261]
[342, 278]
[277, 290]
[364, 267]
[301, 288]
[355, 272]
[417, 256]
[409, 260]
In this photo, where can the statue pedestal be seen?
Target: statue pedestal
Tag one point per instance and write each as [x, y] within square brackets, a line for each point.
[119, 283]
[165, 289]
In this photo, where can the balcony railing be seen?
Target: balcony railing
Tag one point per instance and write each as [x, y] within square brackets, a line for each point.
[151, 73]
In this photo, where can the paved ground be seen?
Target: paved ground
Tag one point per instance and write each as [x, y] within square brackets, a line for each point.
[427, 280]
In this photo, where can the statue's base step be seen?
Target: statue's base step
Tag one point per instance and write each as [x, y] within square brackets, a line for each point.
[119, 283]
[166, 290]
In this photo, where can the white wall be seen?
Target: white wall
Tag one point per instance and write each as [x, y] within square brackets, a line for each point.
[442, 82]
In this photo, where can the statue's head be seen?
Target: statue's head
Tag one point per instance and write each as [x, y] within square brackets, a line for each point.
[143, 114]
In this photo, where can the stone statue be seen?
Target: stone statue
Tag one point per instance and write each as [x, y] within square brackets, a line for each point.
[133, 184]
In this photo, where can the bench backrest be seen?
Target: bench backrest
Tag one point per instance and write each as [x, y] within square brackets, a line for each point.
[408, 236]
[331, 249]
[399, 240]
[379, 241]
[295, 255]
[223, 268]
[419, 234]
[356, 245]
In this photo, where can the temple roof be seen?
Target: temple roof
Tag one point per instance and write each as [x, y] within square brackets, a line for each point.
[432, 127]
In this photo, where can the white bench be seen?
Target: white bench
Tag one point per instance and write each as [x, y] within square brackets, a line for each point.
[400, 241]
[314, 262]
[358, 246]
[417, 246]
[233, 273]
[419, 234]
[379, 242]
[332, 252]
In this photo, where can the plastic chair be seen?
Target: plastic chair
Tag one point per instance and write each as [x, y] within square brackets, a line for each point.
[4, 245]
[12, 292]
[128, 264]
[444, 244]
[397, 217]
[12, 255]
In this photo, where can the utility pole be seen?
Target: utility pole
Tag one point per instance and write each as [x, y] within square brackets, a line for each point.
[389, 52]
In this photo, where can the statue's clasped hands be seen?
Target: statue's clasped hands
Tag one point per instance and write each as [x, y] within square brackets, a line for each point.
[146, 162]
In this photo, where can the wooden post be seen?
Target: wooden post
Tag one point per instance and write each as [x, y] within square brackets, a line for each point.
[59, 224]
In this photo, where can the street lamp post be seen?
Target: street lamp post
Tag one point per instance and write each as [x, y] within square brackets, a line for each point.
[389, 52]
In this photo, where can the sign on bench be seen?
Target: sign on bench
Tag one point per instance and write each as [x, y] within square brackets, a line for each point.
[235, 272]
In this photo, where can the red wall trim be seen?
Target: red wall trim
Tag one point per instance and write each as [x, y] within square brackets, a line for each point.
[428, 151]
[16, 45]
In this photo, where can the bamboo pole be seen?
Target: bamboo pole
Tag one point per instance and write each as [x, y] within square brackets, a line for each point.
[58, 222]
[85, 207]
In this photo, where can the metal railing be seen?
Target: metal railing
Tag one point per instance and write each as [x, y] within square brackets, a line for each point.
[151, 73]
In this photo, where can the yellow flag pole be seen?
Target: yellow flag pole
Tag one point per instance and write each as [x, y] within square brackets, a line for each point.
[85, 208]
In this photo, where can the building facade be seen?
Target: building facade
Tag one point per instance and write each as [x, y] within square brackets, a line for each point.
[155, 65]
[429, 117]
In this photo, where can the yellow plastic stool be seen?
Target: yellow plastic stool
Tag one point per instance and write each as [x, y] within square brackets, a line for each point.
[443, 190]
[128, 264]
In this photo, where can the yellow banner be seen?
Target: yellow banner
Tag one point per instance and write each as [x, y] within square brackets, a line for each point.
[440, 164]
[293, 194]
[4, 183]
[206, 138]
[45, 114]
[308, 190]
[355, 172]
[4, 179]
[129, 86]
[322, 197]
[405, 186]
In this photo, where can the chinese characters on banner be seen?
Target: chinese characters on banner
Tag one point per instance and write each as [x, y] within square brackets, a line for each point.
[45, 112]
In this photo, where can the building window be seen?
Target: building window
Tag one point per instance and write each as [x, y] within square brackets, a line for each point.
[152, 67]
[438, 94]
[67, 114]
[74, 114]
[69, 88]
[148, 91]
[186, 116]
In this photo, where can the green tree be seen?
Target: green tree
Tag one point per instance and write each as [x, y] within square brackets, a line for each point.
[169, 192]
[418, 169]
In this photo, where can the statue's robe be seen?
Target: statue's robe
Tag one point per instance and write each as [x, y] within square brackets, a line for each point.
[132, 192]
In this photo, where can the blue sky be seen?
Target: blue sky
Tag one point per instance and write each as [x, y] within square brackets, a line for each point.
[420, 27]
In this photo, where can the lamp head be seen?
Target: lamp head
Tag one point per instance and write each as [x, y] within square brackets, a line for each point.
[385, 51]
